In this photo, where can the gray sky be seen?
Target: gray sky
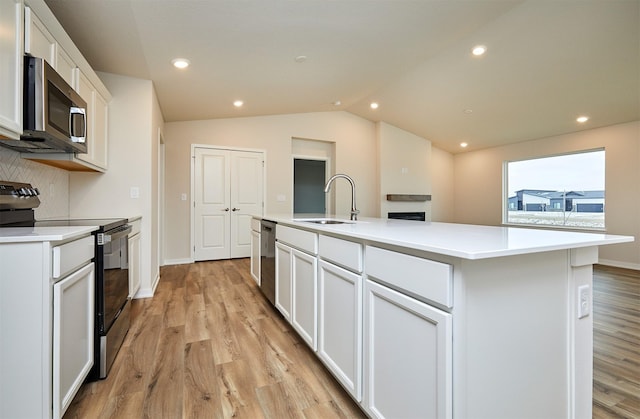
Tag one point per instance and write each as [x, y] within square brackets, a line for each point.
[577, 172]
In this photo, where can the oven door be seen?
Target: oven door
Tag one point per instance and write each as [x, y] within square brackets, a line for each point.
[113, 289]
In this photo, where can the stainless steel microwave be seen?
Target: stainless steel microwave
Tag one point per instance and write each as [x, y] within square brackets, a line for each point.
[54, 115]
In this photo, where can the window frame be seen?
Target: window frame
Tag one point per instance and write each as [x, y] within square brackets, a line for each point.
[505, 194]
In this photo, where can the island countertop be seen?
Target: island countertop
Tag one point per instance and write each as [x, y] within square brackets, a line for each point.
[459, 240]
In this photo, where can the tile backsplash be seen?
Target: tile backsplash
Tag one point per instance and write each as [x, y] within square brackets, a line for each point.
[53, 183]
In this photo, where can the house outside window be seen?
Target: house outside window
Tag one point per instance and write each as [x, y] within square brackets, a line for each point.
[564, 191]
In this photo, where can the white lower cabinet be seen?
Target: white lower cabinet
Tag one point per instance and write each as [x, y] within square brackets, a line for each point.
[296, 282]
[408, 356]
[340, 325]
[134, 264]
[283, 279]
[304, 281]
[255, 256]
[73, 308]
[46, 325]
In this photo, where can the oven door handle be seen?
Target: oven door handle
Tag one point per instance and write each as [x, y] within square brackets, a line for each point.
[118, 233]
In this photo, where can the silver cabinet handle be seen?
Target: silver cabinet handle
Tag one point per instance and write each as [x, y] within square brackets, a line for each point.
[226, 209]
[235, 209]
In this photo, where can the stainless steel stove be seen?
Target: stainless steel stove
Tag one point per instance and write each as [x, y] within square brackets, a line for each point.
[112, 319]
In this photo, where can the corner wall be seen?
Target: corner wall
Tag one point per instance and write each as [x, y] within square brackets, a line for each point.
[134, 120]
[478, 182]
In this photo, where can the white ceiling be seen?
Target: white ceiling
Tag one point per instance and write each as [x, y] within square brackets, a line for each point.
[548, 61]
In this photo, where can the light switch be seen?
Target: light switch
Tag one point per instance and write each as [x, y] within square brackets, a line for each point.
[134, 192]
[183, 197]
[281, 198]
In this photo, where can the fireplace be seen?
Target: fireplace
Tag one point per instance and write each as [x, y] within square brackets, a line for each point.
[414, 216]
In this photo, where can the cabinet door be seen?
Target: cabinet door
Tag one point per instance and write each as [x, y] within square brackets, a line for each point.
[97, 113]
[255, 256]
[304, 283]
[73, 320]
[11, 47]
[38, 41]
[408, 356]
[134, 264]
[66, 67]
[283, 280]
[340, 325]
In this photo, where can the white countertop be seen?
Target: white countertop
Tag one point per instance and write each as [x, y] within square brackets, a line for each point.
[43, 234]
[458, 240]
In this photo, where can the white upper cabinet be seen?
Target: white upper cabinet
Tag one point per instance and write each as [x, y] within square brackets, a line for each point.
[38, 41]
[11, 52]
[97, 114]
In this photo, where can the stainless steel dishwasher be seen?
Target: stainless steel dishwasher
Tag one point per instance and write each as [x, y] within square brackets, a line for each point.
[268, 260]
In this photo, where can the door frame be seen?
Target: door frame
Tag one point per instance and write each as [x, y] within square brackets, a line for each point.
[192, 203]
[327, 174]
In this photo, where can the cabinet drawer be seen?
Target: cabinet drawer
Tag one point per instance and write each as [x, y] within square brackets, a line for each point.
[341, 252]
[301, 239]
[422, 278]
[69, 256]
[255, 224]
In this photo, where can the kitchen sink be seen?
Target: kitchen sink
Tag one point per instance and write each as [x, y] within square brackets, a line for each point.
[324, 221]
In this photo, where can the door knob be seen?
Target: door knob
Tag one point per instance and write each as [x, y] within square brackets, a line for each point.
[235, 209]
[226, 209]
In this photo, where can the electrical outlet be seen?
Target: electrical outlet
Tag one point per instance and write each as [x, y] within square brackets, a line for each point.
[584, 301]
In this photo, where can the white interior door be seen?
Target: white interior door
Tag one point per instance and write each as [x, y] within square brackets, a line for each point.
[212, 210]
[227, 192]
[246, 199]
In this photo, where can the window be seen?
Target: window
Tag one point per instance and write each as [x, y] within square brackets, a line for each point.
[561, 191]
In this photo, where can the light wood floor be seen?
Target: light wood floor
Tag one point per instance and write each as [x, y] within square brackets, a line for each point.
[208, 345]
[616, 343]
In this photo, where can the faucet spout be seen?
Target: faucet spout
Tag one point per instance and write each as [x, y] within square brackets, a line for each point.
[354, 211]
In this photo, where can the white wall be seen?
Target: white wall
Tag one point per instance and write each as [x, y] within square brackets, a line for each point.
[355, 155]
[478, 182]
[134, 120]
[404, 168]
[442, 175]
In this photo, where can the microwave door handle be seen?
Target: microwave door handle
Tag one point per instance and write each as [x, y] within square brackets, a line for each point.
[78, 111]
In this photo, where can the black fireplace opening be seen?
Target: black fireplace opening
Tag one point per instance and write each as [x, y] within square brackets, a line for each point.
[414, 216]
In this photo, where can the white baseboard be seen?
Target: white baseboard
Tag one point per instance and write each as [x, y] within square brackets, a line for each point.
[618, 264]
[177, 261]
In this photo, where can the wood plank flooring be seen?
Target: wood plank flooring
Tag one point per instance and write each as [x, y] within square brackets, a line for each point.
[616, 343]
[208, 345]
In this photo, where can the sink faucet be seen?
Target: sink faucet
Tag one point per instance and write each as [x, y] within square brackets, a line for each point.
[354, 211]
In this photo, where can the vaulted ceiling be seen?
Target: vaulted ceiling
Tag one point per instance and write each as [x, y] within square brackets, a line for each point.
[547, 62]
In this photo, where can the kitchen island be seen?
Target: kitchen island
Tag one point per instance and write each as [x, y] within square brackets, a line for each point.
[444, 320]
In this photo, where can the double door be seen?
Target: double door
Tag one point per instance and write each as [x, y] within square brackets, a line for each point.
[227, 192]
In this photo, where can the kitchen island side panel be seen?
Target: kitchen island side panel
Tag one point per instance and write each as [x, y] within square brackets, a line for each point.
[512, 337]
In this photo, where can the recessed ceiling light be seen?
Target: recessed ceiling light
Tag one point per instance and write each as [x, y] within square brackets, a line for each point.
[300, 59]
[468, 111]
[336, 103]
[463, 145]
[374, 105]
[180, 63]
[582, 119]
[238, 103]
[479, 50]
